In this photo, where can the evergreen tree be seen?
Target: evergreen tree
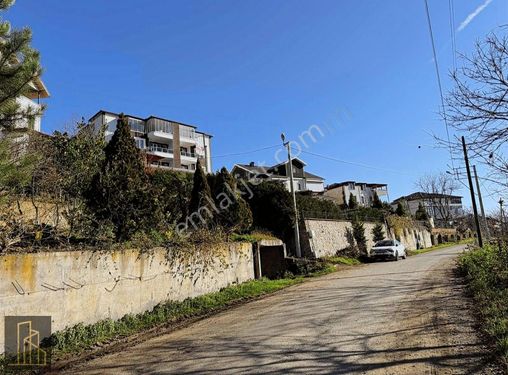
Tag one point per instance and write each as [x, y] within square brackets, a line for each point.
[359, 235]
[400, 211]
[353, 203]
[376, 202]
[119, 192]
[272, 208]
[201, 195]
[345, 205]
[235, 214]
[421, 213]
[378, 232]
[19, 67]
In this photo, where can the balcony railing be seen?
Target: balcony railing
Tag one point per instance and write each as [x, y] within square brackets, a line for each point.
[166, 150]
[189, 154]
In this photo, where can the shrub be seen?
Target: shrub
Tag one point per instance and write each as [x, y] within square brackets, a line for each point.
[316, 207]
[421, 213]
[234, 213]
[171, 191]
[486, 273]
[272, 208]
[401, 210]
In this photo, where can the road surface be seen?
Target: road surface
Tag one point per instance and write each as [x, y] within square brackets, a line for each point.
[405, 317]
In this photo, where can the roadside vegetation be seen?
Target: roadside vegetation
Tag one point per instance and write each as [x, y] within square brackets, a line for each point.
[440, 246]
[486, 273]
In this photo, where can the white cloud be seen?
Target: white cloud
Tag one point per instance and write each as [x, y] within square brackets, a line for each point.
[472, 15]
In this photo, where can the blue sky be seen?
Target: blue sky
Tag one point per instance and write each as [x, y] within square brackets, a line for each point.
[246, 70]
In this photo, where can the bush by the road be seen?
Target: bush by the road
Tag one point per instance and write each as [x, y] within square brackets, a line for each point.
[486, 273]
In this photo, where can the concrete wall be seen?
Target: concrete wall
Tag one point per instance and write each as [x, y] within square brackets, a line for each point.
[88, 286]
[325, 237]
[414, 238]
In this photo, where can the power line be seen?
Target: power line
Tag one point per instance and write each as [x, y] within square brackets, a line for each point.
[436, 65]
[352, 162]
[246, 152]
[451, 9]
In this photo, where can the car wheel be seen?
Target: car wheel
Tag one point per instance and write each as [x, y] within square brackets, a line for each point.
[396, 258]
[404, 256]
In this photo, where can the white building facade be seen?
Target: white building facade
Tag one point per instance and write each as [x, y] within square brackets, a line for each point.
[438, 206]
[166, 144]
[363, 192]
[32, 100]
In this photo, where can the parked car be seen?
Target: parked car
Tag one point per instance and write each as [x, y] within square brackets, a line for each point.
[388, 249]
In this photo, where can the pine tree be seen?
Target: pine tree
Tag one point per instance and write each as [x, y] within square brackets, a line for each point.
[19, 67]
[376, 202]
[378, 232]
[119, 192]
[235, 214]
[353, 203]
[201, 195]
[421, 213]
[400, 211]
[359, 235]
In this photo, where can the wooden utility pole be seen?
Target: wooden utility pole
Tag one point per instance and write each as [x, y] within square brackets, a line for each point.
[471, 189]
[480, 200]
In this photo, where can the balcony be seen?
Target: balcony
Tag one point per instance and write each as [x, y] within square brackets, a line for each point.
[136, 126]
[187, 135]
[188, 154]
[159, 129]
[188, 158]
[163, 152]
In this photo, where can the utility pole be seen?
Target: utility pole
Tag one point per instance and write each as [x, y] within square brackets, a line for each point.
[473, 200]
[485, 224]
[290, 171]
[501, 225]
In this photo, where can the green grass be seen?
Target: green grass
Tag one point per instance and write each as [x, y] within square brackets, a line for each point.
[440, 246]
[486, 274]
[342, 260]
[82, 337]
[252, 237]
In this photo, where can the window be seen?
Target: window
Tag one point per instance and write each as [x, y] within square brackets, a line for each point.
[140, 143]
[386, 243]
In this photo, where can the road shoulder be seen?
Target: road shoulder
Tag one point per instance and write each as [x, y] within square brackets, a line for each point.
[438, 332]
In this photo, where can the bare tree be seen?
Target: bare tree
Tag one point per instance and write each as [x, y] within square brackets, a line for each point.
[477, 106]
[437, 189]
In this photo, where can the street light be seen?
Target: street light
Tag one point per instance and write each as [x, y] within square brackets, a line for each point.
[290, 167]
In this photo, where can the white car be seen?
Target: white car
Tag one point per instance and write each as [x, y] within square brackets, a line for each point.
[392, 249]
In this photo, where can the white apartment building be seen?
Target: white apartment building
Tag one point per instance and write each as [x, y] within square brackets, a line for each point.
[362, 191]
[167, 144]
[438, 206]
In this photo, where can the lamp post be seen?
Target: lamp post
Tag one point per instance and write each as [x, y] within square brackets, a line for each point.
[290, 171]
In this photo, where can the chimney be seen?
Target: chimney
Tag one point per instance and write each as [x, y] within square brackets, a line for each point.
[252, 164]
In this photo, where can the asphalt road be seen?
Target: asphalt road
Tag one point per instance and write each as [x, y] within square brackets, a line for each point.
[405, 317]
